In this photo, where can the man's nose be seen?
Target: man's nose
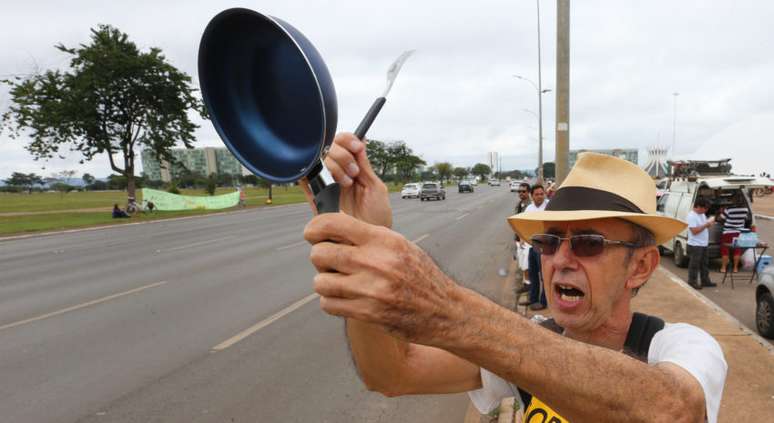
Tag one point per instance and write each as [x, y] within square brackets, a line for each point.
[564, 257]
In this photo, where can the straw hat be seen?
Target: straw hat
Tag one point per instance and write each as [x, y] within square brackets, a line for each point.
[601, 186]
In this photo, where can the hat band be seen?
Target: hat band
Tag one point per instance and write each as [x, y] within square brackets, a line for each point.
[584, 198]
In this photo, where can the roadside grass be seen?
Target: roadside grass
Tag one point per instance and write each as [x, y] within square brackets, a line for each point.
[59, 209]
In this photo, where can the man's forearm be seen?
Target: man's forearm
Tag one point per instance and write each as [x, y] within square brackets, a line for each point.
[582, 382]
[379, 357]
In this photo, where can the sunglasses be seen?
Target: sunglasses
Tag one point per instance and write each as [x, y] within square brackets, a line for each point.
[521, 191]
[581, 245]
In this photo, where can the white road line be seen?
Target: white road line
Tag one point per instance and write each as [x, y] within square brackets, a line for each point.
[197, 244]
[263, 323]
[287, 247]
[462, 217]
[418, 240]
[80, 306]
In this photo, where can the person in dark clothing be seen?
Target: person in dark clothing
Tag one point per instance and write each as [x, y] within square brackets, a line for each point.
[118, 213]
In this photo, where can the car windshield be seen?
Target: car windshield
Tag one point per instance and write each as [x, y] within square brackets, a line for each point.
[431, 186]
[409, 186]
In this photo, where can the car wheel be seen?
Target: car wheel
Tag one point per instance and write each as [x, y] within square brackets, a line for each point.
[764, 315]
[680, 259]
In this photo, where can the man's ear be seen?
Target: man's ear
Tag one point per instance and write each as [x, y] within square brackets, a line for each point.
[643, 263]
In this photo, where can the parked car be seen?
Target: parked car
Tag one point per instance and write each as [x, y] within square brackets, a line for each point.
[432, 190]
[465, 186]
[515, 186]
[764, 302]
[722, 192]
[494, 182]
[410, 191]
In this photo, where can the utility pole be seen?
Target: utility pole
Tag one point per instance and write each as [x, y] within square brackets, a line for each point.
[674, 122]
[540, 101]
[562, 89]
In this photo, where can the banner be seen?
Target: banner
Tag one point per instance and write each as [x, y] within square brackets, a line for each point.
[166, 201]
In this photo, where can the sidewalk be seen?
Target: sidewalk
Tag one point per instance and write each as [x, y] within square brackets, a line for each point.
[749, 391]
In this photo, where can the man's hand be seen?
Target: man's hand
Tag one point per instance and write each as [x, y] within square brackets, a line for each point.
[363, 195]
[375, 275]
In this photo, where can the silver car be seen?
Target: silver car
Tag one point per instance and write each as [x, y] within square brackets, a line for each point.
[764, 299]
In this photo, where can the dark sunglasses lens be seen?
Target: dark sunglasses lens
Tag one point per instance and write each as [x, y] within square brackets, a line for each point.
[545, 244]
[587, 245]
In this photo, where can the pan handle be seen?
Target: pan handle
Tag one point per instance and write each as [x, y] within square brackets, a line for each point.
[326, 197]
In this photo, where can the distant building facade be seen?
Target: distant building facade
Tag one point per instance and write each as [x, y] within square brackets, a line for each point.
[493, 161]
[204, 161]
[629, 154]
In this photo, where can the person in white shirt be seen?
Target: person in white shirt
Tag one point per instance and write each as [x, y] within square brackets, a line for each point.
[537, 296]
[698, 240]
[412, 329]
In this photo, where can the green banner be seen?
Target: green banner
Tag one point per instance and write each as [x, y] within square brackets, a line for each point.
[166, 201]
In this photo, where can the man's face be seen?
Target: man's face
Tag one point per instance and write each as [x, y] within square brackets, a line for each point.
[523, 193]
[584, 292]
[538, 195]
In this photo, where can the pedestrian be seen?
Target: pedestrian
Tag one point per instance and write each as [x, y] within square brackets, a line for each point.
[413, 330]
[537, 296]
[698, 241]
[118, 213]
[522, 247]
[734, 220]
[151, 206]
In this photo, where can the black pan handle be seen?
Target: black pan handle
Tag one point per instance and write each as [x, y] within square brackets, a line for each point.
[365, 124]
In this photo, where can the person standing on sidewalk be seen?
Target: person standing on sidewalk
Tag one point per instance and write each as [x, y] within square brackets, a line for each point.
[698, 240]
[413, 330]
[734, 220]
[522, 247]
[537, 295]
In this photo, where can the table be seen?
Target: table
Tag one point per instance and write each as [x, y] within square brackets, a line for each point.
[758, 252]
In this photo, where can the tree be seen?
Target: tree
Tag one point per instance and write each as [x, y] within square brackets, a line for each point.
[460, 172]
[378, 156]
[88, 179]
[401, 157]
[62, 187]
[481, 170]
[211, 184]
[66, 175]
[444, 170]
[112, 100]
[24, 180]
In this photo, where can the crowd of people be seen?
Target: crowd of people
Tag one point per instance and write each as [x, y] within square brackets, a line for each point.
[131, 208]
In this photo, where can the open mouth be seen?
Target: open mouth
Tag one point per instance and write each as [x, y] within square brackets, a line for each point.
[569, 293]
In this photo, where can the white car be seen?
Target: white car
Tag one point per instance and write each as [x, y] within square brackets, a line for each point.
[515, 186]
[410, 191]
[494, 182]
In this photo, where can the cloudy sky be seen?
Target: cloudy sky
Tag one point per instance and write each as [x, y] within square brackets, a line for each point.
[456, 99]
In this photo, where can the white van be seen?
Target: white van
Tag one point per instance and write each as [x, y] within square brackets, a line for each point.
[721, 191]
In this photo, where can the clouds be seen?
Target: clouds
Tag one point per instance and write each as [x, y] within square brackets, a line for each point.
[455, 99]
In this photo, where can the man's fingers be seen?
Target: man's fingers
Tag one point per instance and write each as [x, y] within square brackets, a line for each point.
[338, 227]
[357, 149]
[339, 162]
[329, 256]
[343, 307]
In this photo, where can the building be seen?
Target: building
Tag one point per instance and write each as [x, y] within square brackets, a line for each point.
[493, 161]
[203, 161]
[657, 166]
[630, 154]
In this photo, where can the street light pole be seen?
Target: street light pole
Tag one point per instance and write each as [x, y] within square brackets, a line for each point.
[674, 121]
[540, 100]
[539, 117]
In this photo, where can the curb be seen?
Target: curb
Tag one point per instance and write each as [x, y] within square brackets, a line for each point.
[763, 216]
[119, 225]
[759, 339]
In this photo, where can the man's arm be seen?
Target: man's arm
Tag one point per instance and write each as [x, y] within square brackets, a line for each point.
[582, 382]
[395, 367]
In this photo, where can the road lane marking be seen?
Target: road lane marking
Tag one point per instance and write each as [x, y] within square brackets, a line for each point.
[197, 244]
[263, 323]
[420, 239]
[287, 247]
[462, 217]
[80, 306]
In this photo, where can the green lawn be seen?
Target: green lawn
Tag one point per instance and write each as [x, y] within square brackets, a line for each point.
[63, 216]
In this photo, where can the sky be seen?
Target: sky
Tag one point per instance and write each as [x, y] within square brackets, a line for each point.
[456, 99]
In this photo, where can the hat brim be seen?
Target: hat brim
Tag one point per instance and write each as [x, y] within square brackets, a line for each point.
[527, 224]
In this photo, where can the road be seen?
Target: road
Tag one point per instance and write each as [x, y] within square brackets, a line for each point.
[211, 318]
[739, 301]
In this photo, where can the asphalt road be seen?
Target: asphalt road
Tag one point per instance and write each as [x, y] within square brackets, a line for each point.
[738, 301]
[146, 323]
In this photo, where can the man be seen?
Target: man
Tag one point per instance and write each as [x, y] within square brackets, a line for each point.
[537, 295]
[522, 247]
[734, 220]
[413, 330]
[698, 240]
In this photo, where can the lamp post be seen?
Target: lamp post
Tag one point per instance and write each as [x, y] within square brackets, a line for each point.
[540, 92]
[674, 121]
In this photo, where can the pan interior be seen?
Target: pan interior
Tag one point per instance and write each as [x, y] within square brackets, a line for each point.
[262, 96]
